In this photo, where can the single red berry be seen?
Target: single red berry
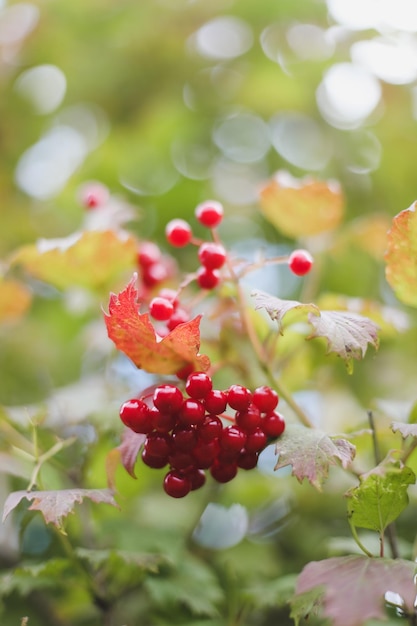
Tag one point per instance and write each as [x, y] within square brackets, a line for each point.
[265, 398]
[184, 438]
[273, 424]
[136, 415]
[179, 316]
[191, 413]
[158, 444]
[247, 460]
[161, 309]
[181, 460]
[248, 420]
[215, 402]
[232, 439]
[185, 371]
[205, 452]
[163, 422]
[239, 397]
[211, 428]
[167, 398]
[155, 462]
[300, 262]
[198, 385]
[176, 484]
[209, 213]
[154, 274]
[212, 255]
[207, 278]
[197, 478]
[223, 472]
[178, 233]
[256, 441]
[148, 254]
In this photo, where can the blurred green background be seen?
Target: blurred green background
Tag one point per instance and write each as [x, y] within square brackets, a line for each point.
[168, 103]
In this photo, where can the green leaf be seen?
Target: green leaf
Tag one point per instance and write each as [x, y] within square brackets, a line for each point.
[401, 256]
[27, 578]
[380, 497]
[306, 605]
[272, 593]
[311, 452]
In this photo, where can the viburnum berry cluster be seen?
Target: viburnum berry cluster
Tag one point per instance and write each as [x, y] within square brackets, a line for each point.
[203, 429]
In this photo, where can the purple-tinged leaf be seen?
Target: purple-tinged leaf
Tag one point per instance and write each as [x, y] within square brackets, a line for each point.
[354, 587]
[311, 452]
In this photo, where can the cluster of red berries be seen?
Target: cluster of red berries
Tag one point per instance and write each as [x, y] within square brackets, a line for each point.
[212, 255]
[154, 267]
[191, 433]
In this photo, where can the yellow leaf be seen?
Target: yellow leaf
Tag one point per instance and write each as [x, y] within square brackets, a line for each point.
[15, 299]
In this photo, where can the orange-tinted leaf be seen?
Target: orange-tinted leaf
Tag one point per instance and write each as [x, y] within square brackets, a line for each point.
[55, 505]
[370, 234]
[401, 256]
[302, 207]
[134, 334]
[92, 259]
[15, 299]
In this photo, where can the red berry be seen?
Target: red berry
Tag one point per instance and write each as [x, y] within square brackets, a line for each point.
[215, 402]
[178, 233]
[164, 422]
[248, 420]
[205, 453]
[256, 441]
[247, 460]
[136, 415]
[179, 316]
[158, 444]
[239, 397]
[211, 428]
[154, 274]
[191, 413]
[198, 385]
[156, 462]
[148, 254]
[300, 262]
[207, 278]
[197, 478]
[223, 472]
[265, 398]
[209, 213]
[161, 309]
[273, 424]
[232, 439]
[171, 295]
[176, 484]
[184, 439]
[167, 398]
[181, 460]
[212, 255]
[185, 371]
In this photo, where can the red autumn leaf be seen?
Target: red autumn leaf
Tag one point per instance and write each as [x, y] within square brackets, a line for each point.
[55, 505]
[355, 587]
[134, 334]
[401, 256]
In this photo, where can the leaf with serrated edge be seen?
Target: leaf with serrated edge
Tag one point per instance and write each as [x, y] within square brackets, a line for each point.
[406, 430]
[90, 259]
[355, 586]
[55, 505]
[302, 207]
[277, 309]
[347, 334]
[401, 256]
[134, 334]
[311, 452]
[381, 496]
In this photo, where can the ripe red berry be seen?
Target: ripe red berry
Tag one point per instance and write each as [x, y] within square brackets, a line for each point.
[273, 424]
[158, 444]
[154, 274]
[248, 420]
[239, 397]
[207, 278]
[232, 439]
[178, 233]
[247, 460]
[223, 472]
[256, 441]
[148, 254]
[184, 438]
[155, 462]
[191, 413]
[209, 213]
[167, 398]
[265, 398]
[205, 452]
[179, 316]
[161, 309]
[210, 429]
[163, 422]
[197, 478]
[198, 385]
[212, 255]
[215, 402]
[136, 415]
[176, 484]
[300, 262]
